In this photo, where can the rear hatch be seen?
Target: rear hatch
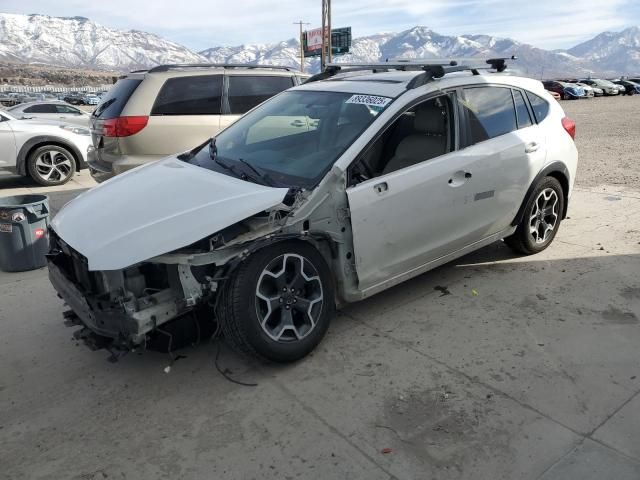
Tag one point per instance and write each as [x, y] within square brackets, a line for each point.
[106, 114]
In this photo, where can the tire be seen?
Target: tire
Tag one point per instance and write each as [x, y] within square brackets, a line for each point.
[51, 165]
[252, 297]
[524, 240]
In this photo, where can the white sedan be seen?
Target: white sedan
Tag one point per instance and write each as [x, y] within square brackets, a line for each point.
[51, 110]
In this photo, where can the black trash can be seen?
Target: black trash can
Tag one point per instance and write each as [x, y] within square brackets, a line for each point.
[24, 239]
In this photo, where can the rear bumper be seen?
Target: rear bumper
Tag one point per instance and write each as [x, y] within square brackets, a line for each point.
[102, 170]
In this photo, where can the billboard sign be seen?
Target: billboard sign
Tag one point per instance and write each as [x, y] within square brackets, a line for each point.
[313, 39]
[340, 41]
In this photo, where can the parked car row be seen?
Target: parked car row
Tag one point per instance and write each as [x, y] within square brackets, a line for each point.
[571, 89]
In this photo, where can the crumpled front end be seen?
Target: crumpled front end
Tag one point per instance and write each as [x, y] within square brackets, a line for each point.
[118, 309]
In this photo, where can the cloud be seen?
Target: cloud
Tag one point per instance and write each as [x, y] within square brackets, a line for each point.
[203, 23]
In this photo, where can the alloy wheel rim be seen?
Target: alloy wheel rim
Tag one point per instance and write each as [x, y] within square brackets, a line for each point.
[53, 165]
[544, 215]
[289, 298]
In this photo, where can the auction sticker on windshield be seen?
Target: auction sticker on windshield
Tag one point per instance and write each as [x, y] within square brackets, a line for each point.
[370, 100]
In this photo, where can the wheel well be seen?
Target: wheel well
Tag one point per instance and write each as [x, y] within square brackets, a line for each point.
[554, 170]
[564, 183]
[57, 143]
[314, 241]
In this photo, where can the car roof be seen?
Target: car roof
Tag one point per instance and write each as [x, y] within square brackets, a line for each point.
[194, 70]
[394, 83]
[41, 102]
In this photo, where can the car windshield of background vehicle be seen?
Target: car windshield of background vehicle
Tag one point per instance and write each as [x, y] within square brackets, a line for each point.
[295, 137]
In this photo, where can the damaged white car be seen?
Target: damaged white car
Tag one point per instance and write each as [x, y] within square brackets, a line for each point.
[325, 194]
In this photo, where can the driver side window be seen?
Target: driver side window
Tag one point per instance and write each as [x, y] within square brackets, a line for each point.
[423, 132]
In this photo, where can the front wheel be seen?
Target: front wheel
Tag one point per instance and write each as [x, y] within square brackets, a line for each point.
[541, 219]
[51, 165]
[279, 303]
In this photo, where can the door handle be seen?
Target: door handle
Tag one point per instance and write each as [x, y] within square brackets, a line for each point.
[380, 188]
[297, 123]
[531, 147]
[459, 178]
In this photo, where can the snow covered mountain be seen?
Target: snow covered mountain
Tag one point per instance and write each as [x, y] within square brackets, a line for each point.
[616, 51]
[417, 42]
[79, 42]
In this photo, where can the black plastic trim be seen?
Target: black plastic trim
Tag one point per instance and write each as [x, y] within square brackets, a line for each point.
[545, 172]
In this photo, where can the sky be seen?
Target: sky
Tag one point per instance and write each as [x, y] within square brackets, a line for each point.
[199, 24]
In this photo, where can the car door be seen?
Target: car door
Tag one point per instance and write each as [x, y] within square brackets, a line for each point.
[245, 92]
[406, 218]
[44, 111]
[7, 143]
[503, 155]
[71, 114]
[186, 113]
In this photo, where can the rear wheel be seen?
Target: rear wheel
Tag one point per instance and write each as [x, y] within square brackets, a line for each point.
[51, 165]
[541, 219]
[279, 303]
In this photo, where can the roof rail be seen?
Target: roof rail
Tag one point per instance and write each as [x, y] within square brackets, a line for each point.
[431, 68]
[165, 68]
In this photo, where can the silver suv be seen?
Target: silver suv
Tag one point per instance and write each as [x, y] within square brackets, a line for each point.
[148, 115]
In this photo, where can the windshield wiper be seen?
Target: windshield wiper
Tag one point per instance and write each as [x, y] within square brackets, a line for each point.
[103, 107]
[260, 178]
[266, 179]
[213, 154]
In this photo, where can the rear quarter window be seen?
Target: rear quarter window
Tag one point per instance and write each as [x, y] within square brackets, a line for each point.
[114, 101]
[248, 91]
[190, 95]
[539, 106]
[522, 112]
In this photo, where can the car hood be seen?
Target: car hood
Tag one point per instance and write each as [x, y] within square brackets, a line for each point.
[155, 209]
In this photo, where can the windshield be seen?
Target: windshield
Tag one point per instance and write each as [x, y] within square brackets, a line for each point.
[293, 139]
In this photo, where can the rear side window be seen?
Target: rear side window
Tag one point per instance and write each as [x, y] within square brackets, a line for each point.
[116, 98]
[66, 109]
[539, 106]
[247, 91]
[522, 112]
[490, 112]
[199, 95]
[42, 108]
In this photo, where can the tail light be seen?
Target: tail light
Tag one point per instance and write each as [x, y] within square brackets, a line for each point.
[123, 126]
[570, 126]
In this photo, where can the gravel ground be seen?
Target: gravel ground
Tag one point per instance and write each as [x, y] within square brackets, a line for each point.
[608, 140]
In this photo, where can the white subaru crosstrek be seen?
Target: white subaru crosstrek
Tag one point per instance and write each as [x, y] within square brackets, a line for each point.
[328, 193]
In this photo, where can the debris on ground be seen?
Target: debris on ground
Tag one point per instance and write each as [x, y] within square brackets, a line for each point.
[474, 292]
[386, 450]
[167, 369]
[444, 290]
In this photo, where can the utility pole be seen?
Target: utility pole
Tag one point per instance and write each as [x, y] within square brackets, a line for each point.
[301, 23]
[326, 33]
